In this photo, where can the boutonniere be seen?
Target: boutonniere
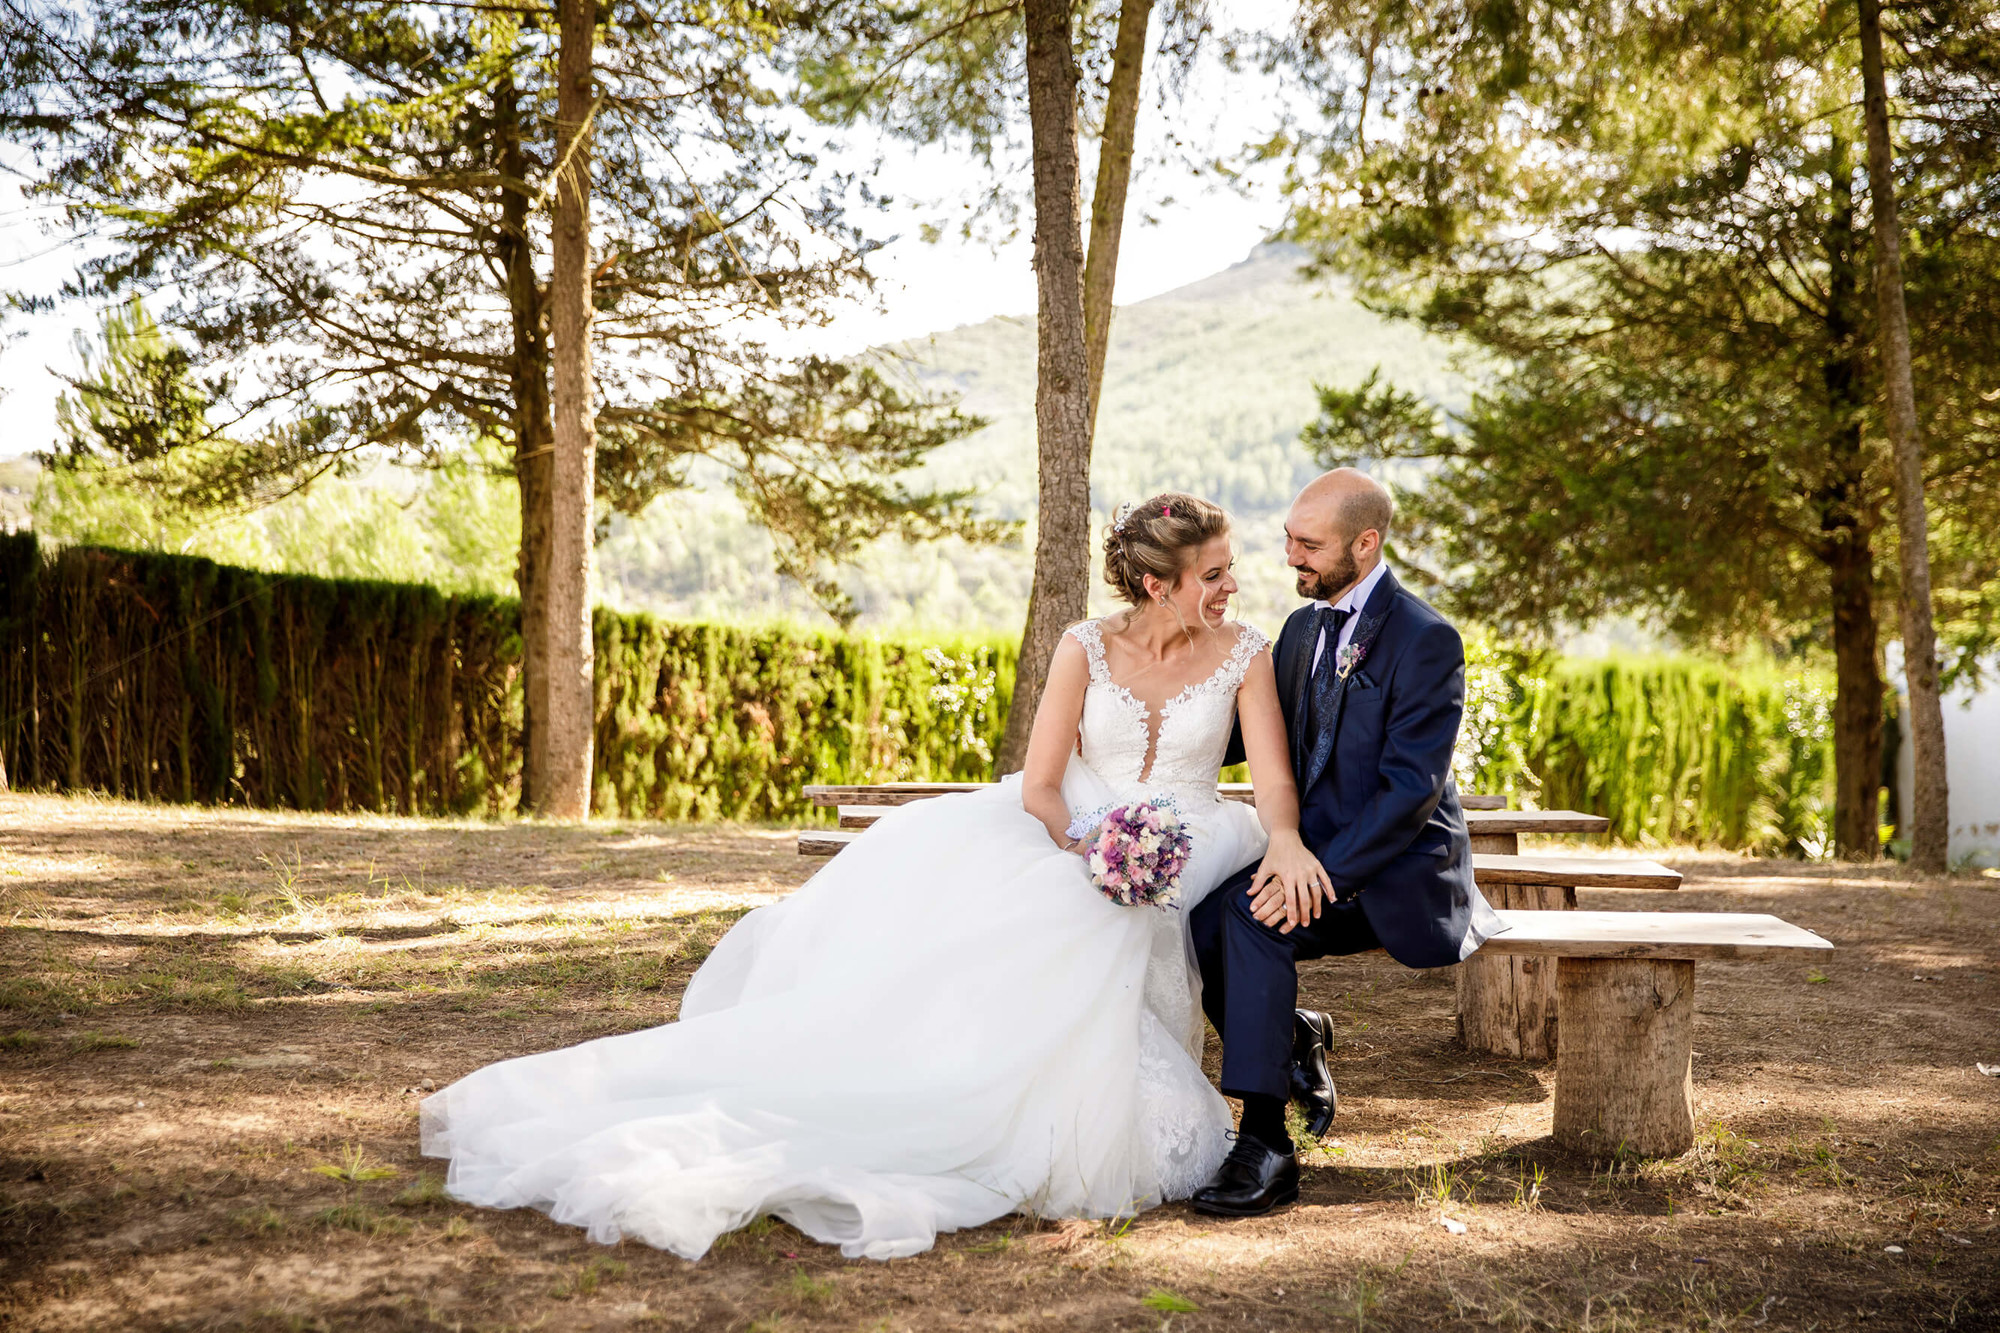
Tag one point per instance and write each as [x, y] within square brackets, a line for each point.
[1350, 658]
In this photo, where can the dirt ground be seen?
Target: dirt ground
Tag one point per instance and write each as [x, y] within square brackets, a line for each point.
[215, 1026]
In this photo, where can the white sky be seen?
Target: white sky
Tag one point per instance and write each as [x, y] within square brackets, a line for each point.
[923, 287]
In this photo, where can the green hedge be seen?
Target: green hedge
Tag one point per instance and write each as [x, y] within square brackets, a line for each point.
[173, 678]
[705, 721]
[1670, 749]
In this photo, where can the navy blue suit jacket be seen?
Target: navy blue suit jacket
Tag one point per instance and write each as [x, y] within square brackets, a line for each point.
[1383, 816]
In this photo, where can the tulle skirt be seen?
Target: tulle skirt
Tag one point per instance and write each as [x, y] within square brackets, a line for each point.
[947, 1024]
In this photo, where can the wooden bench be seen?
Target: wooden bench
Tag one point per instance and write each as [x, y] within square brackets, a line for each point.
[1491, 830]
[1506, 1005]
[1625, 985]
[902, 793]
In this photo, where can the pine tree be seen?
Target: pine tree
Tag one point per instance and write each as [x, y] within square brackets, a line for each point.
[350, 207]
[1645, 224]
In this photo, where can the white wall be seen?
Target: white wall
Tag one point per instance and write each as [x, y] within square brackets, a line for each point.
[1972, 766]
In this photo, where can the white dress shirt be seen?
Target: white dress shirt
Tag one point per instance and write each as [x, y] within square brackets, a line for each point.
[1357, 597]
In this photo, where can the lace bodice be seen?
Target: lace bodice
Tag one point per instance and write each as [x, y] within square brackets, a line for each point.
[1118, 729]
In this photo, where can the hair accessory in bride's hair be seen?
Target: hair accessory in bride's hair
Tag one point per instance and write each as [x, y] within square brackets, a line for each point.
[1166, 511]
[1124, 512]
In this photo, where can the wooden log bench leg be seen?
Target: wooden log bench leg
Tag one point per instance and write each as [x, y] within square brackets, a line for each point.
[1507, 1002]
[1625, 1069]
[1507, 1005]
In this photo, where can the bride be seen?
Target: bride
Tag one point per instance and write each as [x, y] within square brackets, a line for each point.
[949, 1023]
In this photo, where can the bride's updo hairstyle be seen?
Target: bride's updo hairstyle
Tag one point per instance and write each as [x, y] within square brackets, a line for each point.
[1158, 536]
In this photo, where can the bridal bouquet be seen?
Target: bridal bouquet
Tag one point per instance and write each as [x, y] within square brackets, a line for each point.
[1140, 851]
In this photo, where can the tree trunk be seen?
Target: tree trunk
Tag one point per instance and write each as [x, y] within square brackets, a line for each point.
[1061, 590]
[1857, 702]
[1846, 544]
[1929, 813]
[565, 722]
[1114, 178]
[534, 439]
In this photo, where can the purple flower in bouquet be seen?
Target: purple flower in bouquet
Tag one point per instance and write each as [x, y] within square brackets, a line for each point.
[1139, 854]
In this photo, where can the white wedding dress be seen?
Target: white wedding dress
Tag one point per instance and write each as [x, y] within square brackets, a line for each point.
[946, 1024]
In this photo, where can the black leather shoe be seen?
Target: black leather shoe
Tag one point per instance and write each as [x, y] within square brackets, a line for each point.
[1252, 1181]
[1311, 1082]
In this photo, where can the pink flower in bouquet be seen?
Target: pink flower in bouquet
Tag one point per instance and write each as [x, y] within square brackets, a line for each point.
[1139, 854]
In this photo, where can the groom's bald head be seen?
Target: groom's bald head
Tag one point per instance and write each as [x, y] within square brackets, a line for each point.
[1355, 501]
[1335, 530]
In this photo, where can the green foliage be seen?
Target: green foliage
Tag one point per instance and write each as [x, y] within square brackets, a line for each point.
[712, 721]
[343, 215]
[169, 677]
[1206, 389]
[455, 525]
[1670, 749]
[814, 454]
[137, 400]
[1655, 224]
[353, 1167]
[1672, 396]
[174, 678]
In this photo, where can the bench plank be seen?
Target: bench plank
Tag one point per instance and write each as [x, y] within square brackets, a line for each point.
[1507, 1003]
[888, 793]
[1534, 821]
[825, 842]
[1678, 935]
[859, 807]
[1489, 813]
[1479, 823]
[1487, 871]
[1580, 872]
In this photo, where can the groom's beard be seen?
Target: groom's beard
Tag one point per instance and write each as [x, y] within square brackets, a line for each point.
[1318, 587]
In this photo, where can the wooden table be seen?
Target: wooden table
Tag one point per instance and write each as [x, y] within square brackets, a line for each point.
[1625, 984]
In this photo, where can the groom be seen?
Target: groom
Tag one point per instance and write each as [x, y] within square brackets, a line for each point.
[1372, 682]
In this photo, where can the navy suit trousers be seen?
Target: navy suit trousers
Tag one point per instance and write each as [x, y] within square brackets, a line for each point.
[1250, 980]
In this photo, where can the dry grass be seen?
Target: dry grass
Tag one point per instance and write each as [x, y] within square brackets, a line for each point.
[215, 1025]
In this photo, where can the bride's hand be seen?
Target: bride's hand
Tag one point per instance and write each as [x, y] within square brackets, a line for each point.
[1290, 885]
[1080, 846]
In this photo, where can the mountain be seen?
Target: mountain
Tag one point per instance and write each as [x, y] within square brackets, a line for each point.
[1206, 389]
